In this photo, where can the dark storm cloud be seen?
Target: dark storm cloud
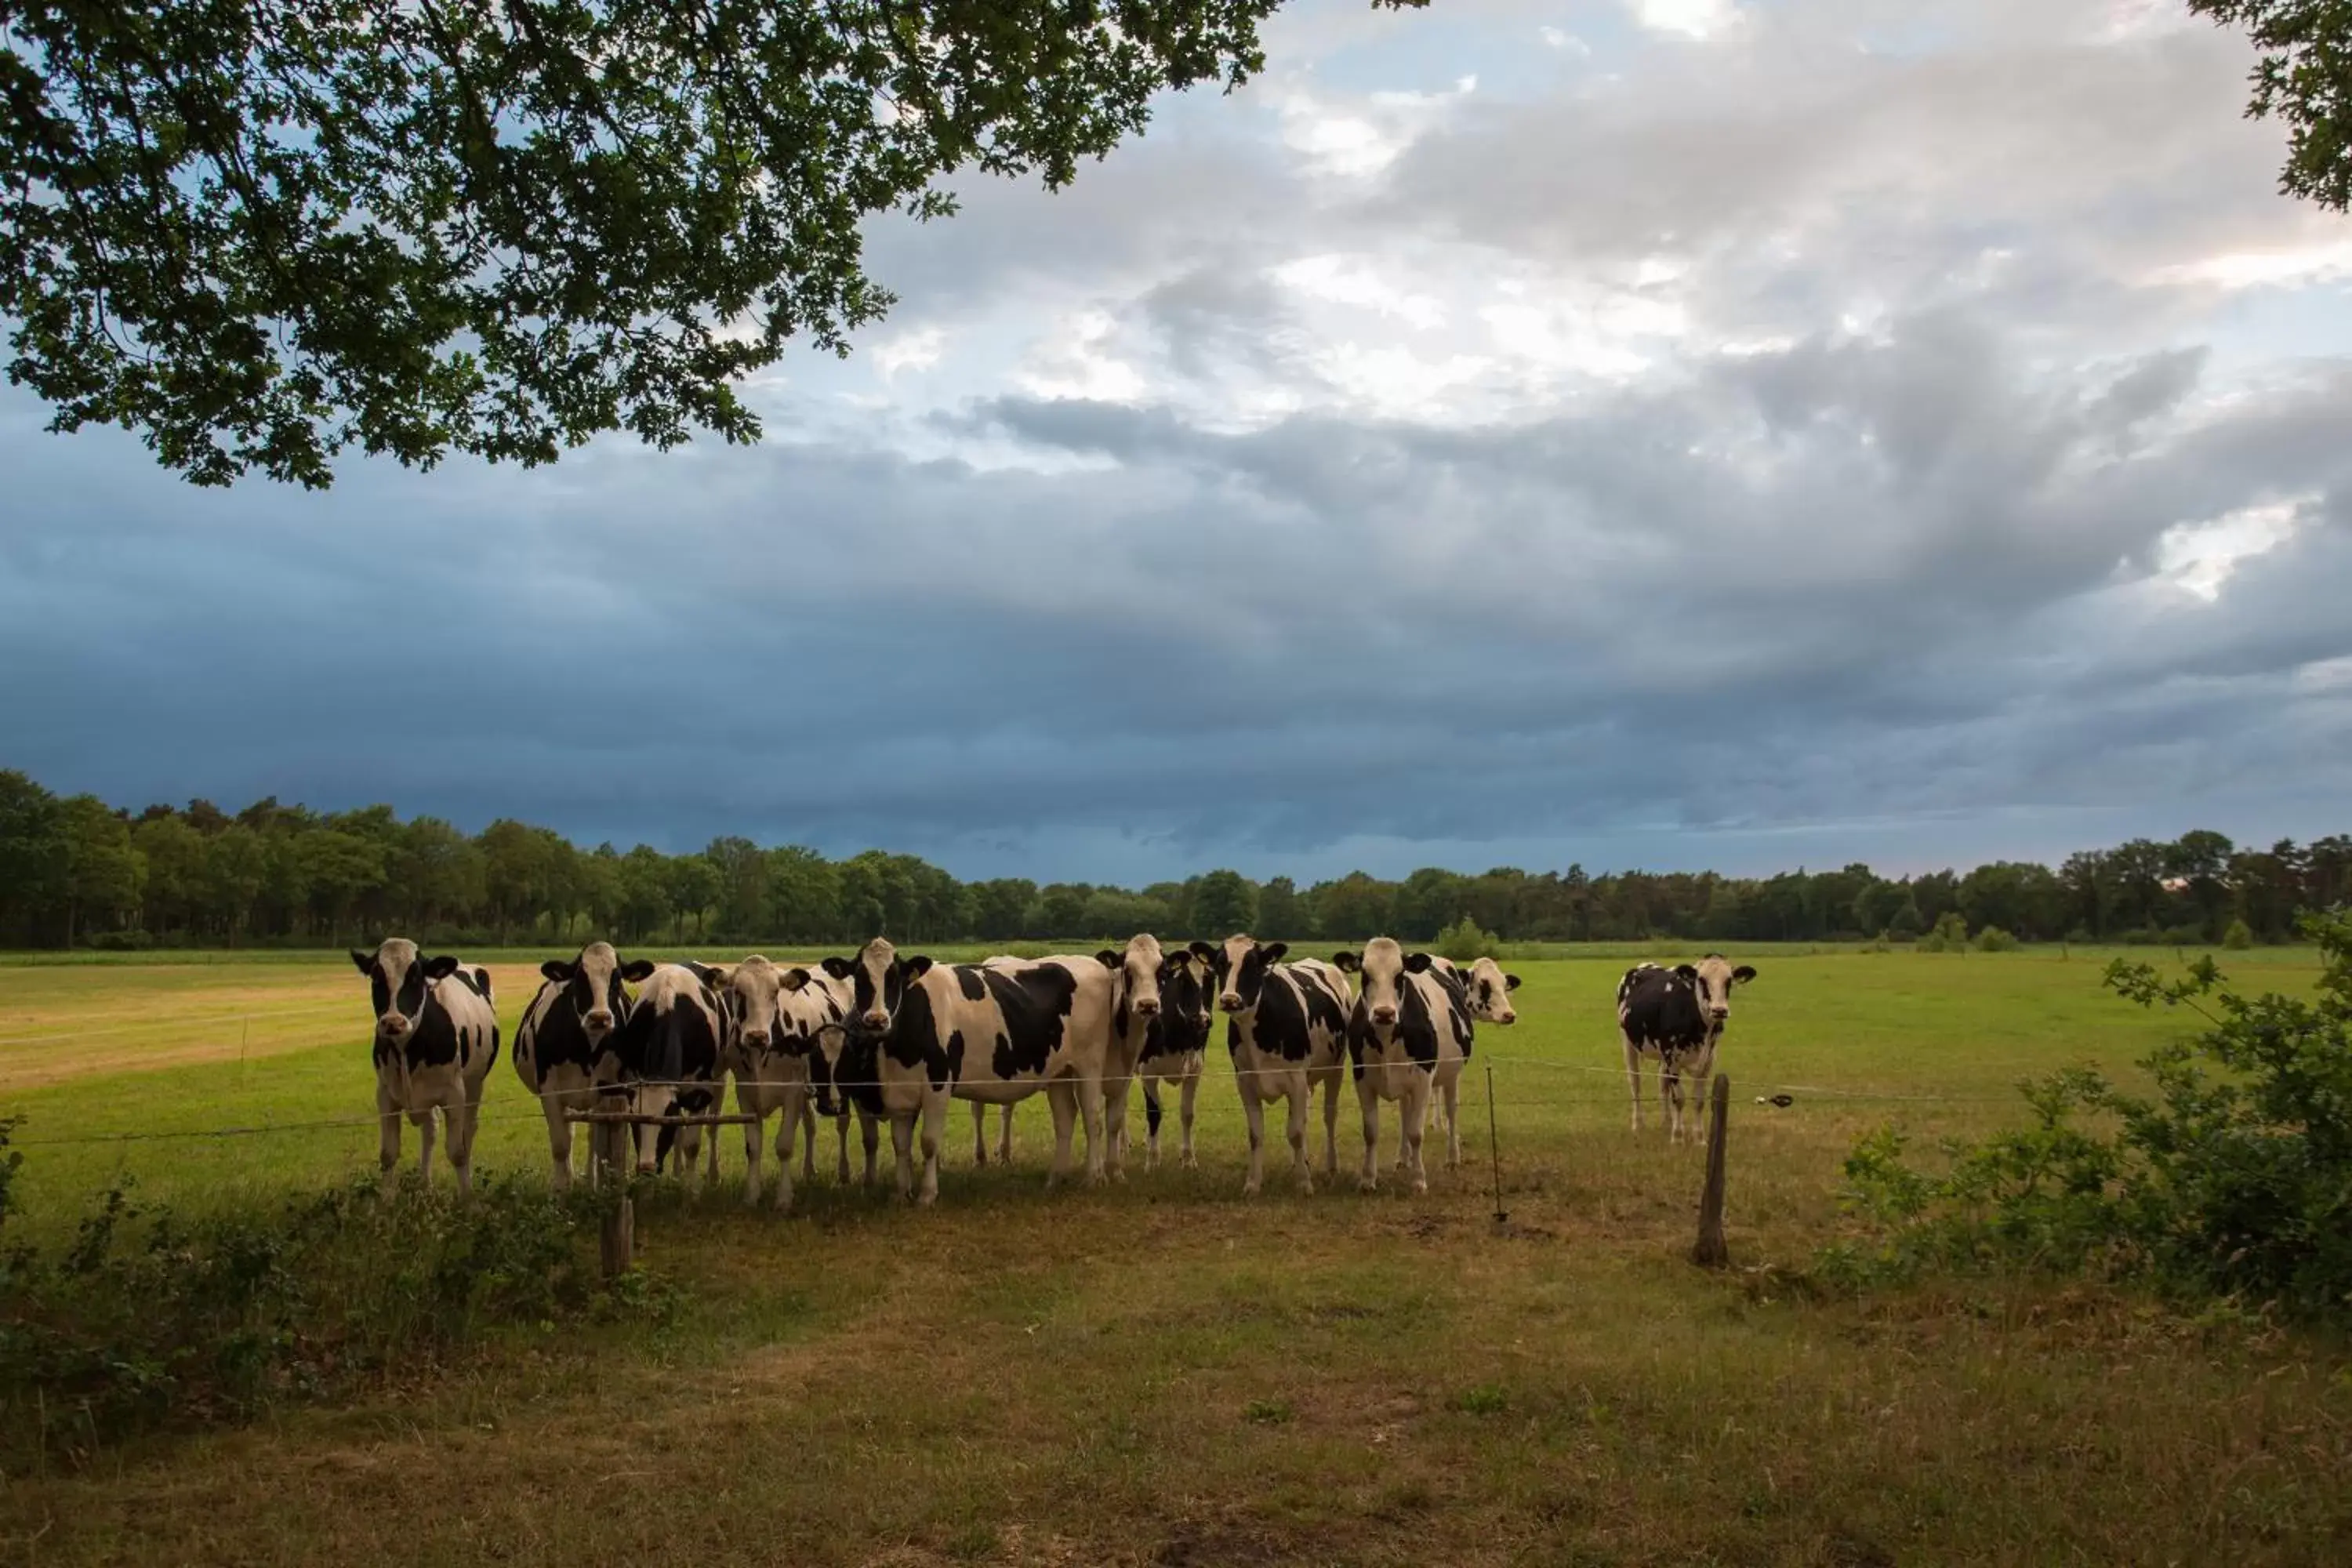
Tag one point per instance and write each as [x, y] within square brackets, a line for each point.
[1882, 546]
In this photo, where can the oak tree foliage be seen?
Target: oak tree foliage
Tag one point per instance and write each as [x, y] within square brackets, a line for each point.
[258, 232]
[2304, 76]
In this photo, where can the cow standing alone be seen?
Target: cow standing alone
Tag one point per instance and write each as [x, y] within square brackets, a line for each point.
[1408, 1036]
[437, 1034]
[1676, 1016]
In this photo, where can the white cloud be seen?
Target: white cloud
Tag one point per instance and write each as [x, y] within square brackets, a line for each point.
[2201, 557]
[2264, 269]
[1567, 42]
[1700, 19]
[917, 350]
[1357, 139]
[1345, 279]
[1074, 359]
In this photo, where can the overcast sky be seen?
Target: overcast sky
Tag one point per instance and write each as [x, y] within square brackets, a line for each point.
[1660, 433]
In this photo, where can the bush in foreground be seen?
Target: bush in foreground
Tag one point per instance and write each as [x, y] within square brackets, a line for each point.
[2235, 1179]
[144, 1319]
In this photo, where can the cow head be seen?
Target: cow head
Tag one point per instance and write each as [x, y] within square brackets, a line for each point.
[1241, 964]
[1382, 966]
[1188, 987]
[1712, 978]
[592, 984]
[753, 988]
[400, 981]
[1488, 990]
[1137, 970]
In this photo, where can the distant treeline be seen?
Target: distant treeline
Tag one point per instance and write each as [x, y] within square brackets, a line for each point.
[76, 871]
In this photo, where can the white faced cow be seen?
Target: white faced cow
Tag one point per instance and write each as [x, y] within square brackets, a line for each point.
[1175, 1045]
[670, 1056]
[890, 1059]
[772, 1029]
[578, 1005]
[1676, 1016]
[1286, 1028]
[436, 1034]
[1488, 991]
[1408, 1035]
[1136, 972]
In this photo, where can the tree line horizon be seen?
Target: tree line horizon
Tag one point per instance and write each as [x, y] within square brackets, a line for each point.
[75, 872]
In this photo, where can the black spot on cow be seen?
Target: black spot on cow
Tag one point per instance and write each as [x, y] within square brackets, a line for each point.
[1035, 1004]
[1659, 1010]
[955, 1056]
[968, 981]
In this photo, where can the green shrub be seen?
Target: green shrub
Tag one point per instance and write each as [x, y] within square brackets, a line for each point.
[2081, 936]
[1933, 942]
[1464, 942]
[143, 1319]
[1992, 939]
[2238, 937]
[2234, 1180]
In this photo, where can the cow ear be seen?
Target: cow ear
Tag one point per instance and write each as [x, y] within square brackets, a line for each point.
[555, 969]
[839, 968]
[441, 968]
[1347, 963]
[1110, 959]
[1510, 982]
[1205, 952]
[1744, 974]
[718, 975]
[1273, 951]
[1687, 971]
[915, 968]
[1417, 964]
[792, 979]
[363, 962]
[637, 971]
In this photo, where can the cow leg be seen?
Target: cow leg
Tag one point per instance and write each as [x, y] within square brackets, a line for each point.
[1698, 1077]
[752, 1132]
[1301, 1095]
[1115, 1091]
[808, 1138]
[796, 1108]
[1330, 1121]
[935, 1126]
[980, 1133]
[558, 1140]
[424, 1121]
[870, 1132]
[1004, 1135]
[1633, 1077]
[1065, 1121]
[1192, 1088]
[1454, 1121]
[1254, 1109]
[710, 1176]
[1090, 1110]
[902, 1143]
[1670, 1098]
[459, 1121]
[387, 1118]
[841, 1142]
[1151, 1126]
[1415, 1117]
[1368, 1178]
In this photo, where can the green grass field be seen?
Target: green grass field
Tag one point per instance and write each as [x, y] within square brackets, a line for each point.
[1164, 1373]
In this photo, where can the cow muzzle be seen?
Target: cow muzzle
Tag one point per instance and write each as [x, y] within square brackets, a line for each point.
[1147, 1007]
[1231, 1002]
[393, 1026]
[756, 1038]
[877, 1019]
[597, 1023]
[1506, 1018]
[1718, 1014]
[1383, 1015]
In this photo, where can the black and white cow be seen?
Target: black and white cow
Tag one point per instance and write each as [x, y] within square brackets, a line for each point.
[1488, 991]
[1676, 1016]
[436, 1034]
[1136, 972]
[1175, 1046]
[890, 1059]
[1047, 1025]
[772, 1030]
[1286, 1030]
[1409, 1035]
[670, 1057]
[578, 1005]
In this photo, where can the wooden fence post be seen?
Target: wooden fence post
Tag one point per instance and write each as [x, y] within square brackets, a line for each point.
[618, 1238]
[1710, 1252]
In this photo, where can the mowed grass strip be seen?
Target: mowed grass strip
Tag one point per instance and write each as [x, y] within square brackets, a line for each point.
[1163, 1372]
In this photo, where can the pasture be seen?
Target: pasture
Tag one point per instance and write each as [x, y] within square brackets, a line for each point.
[1161, 1372]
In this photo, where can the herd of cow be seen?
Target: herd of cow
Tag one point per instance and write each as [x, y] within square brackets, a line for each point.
[894, 1038]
